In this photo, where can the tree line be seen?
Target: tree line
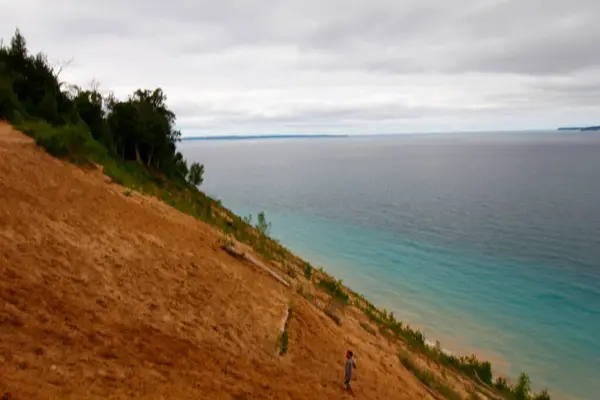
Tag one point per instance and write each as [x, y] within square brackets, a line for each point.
[140, 128]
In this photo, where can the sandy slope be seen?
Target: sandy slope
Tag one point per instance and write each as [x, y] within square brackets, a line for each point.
[108, 296]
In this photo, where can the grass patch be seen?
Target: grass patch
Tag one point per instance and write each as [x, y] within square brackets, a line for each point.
[427, 378]
[334, 288]
[308, 271]
[368, 328]
[127, 192]
[70, 142]
[387, 322]
[284, 342]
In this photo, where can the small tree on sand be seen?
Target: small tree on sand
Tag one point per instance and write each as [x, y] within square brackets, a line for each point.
[196, 175]
[262, 224]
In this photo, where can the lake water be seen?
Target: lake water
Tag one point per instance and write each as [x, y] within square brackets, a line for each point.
[489, 242]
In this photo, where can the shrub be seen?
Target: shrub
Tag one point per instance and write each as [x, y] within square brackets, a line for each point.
[127, 192]
[73, 142]
[262, 225]
[522, 389]
[196, 174]
[284, 342]
[334, 288]
[10, 108]
[501, 384]
[543, 395]
[307, 271]
[426, 377]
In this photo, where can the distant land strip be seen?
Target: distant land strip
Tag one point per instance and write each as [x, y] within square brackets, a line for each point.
[581, 128]
[240, 137]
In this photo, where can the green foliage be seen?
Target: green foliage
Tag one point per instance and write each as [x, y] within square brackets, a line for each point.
[308, 271]
[427, 378]
[284, 342]
[501, 384]
[139, 129]
[334, 288]
[90, 106]
[543, 395]
[68, 141]
[127, 192]
[522, 389]
[470, 366]
[10, 108]
[262, 225]
[196, 175]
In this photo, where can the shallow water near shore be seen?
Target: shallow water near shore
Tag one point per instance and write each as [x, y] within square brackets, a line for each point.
[489, 242]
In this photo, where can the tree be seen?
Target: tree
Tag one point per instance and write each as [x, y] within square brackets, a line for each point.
[196, 175]
[523, 387]
[501, 384]
[262, 224]
[90, 106]
[543, 395]
[484, 370]
[143, 130]
[180, 169]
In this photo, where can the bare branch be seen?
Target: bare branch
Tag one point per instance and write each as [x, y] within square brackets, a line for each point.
[61, 66]
[94, 85]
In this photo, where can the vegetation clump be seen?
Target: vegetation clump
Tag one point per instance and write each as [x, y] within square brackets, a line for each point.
[284, 342]
[196, 174]
[308, 271]
[427, 378]
[334, 288]
[82, 125]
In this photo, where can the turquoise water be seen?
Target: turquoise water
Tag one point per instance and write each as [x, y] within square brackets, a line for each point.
[488, 242]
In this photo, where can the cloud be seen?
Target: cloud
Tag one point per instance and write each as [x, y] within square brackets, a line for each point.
[353, 66]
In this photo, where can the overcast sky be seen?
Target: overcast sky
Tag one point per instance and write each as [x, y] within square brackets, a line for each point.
[332, 66]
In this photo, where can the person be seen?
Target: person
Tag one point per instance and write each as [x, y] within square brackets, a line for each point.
[350, 364]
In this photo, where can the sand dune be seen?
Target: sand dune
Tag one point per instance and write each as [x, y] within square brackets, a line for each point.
[104, 295]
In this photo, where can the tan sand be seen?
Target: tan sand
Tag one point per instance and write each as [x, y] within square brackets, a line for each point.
[104, 295]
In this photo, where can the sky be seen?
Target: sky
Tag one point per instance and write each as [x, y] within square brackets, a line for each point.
[331, 66]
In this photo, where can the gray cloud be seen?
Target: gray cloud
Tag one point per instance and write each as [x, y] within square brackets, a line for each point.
[341, 65]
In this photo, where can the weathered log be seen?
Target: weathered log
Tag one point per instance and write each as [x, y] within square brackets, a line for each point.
[232, 251]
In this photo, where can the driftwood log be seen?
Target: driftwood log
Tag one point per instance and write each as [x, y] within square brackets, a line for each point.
[243, 256]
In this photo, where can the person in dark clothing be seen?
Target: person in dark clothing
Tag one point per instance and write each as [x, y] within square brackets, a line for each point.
[350, 364]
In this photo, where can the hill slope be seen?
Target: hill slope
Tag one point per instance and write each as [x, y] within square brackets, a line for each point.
[105, 294]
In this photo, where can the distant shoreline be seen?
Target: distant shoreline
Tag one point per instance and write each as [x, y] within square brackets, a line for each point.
[580, 128]
[258, 137]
